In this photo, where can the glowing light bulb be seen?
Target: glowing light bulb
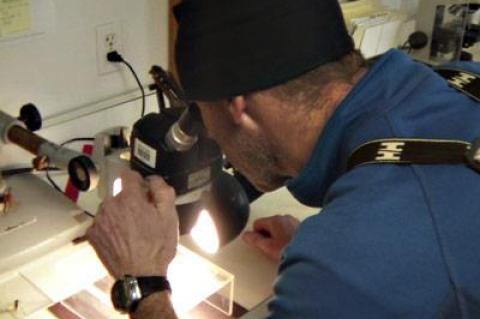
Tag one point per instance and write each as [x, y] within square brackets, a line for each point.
[205, 234]
[117, 186]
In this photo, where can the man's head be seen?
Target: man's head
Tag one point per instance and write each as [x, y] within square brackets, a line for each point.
[265, 74]
[268, 135]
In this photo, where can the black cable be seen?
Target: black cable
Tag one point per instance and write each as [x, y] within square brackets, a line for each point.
[78, 139]
[139, 85]
[16, 171]
[89, 214]
[405, 46]
[52, 182]
[116, 57]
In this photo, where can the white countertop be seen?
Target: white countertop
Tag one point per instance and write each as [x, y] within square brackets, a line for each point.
[255, 273]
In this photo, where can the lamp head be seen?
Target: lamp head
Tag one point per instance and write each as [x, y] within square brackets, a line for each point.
[229, 207]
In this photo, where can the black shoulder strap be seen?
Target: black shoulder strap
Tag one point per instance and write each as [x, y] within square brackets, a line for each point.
[417, 151]
[426, 151]
[464, 81]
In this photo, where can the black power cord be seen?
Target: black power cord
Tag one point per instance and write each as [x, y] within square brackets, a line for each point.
[115, 57]
[51, 181]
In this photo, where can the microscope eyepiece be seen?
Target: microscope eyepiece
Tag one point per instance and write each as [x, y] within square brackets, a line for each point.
[183, 134]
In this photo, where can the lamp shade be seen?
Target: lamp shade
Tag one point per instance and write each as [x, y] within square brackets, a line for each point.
[229, 207]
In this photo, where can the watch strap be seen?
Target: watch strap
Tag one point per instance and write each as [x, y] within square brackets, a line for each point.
[129, 291]
[151, 284]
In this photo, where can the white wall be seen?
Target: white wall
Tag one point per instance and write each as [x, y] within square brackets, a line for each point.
[57, 69]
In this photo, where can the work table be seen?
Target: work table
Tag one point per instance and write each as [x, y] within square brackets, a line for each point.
[48, 282]
[255, 273]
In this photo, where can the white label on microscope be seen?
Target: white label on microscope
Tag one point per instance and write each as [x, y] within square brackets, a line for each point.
[145, 153]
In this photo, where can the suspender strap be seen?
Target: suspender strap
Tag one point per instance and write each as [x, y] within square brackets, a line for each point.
[417, 151]
[464, 81]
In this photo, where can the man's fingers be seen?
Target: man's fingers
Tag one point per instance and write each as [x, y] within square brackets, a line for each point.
[271, 224]
[132, 184]
[161, 192]
[256, 239]
[264, 223]
[292, 220]
[265, 244]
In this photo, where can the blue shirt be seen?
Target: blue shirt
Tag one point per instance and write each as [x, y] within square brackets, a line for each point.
[392, 241]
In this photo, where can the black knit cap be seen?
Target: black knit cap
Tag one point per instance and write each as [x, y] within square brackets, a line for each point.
[227, 48]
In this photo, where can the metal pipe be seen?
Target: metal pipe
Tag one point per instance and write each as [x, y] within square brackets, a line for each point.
[82, 170]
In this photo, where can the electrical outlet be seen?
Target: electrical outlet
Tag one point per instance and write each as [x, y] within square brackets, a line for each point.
[109, 38]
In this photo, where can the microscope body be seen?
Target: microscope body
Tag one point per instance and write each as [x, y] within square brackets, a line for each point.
[185, 171]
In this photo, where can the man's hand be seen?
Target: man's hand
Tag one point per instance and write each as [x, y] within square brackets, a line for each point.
[136, 232]
[272, 234]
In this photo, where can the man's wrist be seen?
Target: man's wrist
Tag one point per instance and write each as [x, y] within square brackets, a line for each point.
[129, 291]
[156, 305]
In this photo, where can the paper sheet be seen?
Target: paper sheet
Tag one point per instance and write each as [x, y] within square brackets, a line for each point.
[15, 17]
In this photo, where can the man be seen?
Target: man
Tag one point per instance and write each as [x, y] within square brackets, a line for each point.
[285, 95]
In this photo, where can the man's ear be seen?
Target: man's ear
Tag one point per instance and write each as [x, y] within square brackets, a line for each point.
[237, 108]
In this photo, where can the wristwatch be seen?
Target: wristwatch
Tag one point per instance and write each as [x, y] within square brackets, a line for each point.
[127, 292]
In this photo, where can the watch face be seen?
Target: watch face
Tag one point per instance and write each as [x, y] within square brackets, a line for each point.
[119, 299]
[126, 294]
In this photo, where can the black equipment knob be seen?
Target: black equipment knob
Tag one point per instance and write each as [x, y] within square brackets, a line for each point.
[418, 40]
[30, 115]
